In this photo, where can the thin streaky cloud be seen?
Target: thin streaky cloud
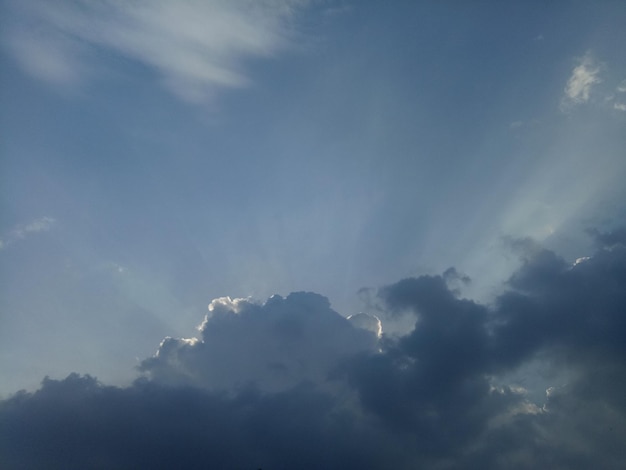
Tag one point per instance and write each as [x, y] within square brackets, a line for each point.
[19, 232]
[38, 225]
[195, 47]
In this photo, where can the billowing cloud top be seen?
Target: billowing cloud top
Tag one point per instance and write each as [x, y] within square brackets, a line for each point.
[275, 346]
[291, 383]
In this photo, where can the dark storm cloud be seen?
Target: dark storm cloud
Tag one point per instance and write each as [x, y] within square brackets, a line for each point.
[609, 239]
[436, 381]
[578, 310]
[78, 423]
[292, 384]
[432, 382]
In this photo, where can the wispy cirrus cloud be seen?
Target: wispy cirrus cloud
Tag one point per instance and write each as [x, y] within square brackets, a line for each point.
[19, 232]
[195, 47]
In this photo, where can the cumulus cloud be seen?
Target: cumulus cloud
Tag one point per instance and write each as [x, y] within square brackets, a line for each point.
[194, 46]
[584, 76]
[291, 383]
[274, 346]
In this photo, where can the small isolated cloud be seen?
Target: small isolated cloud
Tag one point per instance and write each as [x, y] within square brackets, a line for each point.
[616, 98]
[292, 384]
[195, 47]
[584, 76]
[19, 232]
[42, 224]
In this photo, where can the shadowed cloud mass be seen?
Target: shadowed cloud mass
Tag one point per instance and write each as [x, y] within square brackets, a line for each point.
[291, 383]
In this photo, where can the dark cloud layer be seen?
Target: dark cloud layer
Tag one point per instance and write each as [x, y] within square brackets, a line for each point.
[292, 384]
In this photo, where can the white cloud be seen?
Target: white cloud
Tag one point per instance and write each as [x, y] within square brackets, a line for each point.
[195, 46]
[622, 87]
[584, 76]
[619, 106]
[19, 232]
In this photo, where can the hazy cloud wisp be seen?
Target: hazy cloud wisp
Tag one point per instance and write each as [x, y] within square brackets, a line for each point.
[196, 47]
[19, 232]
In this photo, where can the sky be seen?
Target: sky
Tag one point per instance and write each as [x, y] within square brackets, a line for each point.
[313, 234]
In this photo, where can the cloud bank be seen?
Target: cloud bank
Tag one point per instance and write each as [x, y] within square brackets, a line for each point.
[195, 47]
[292, 384]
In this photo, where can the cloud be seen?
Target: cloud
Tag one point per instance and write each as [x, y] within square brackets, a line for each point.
[367, 322]
[585, 82]
[610, 239]
[88, 425]
[274, 346]
[19, 232]
[195, 47]
[584, 76]
[291, 383]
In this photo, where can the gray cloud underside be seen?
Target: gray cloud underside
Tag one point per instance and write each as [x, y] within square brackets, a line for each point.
[292, 384]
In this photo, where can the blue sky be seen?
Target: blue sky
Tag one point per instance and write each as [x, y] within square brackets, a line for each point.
[158, 155]
[340, 146]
